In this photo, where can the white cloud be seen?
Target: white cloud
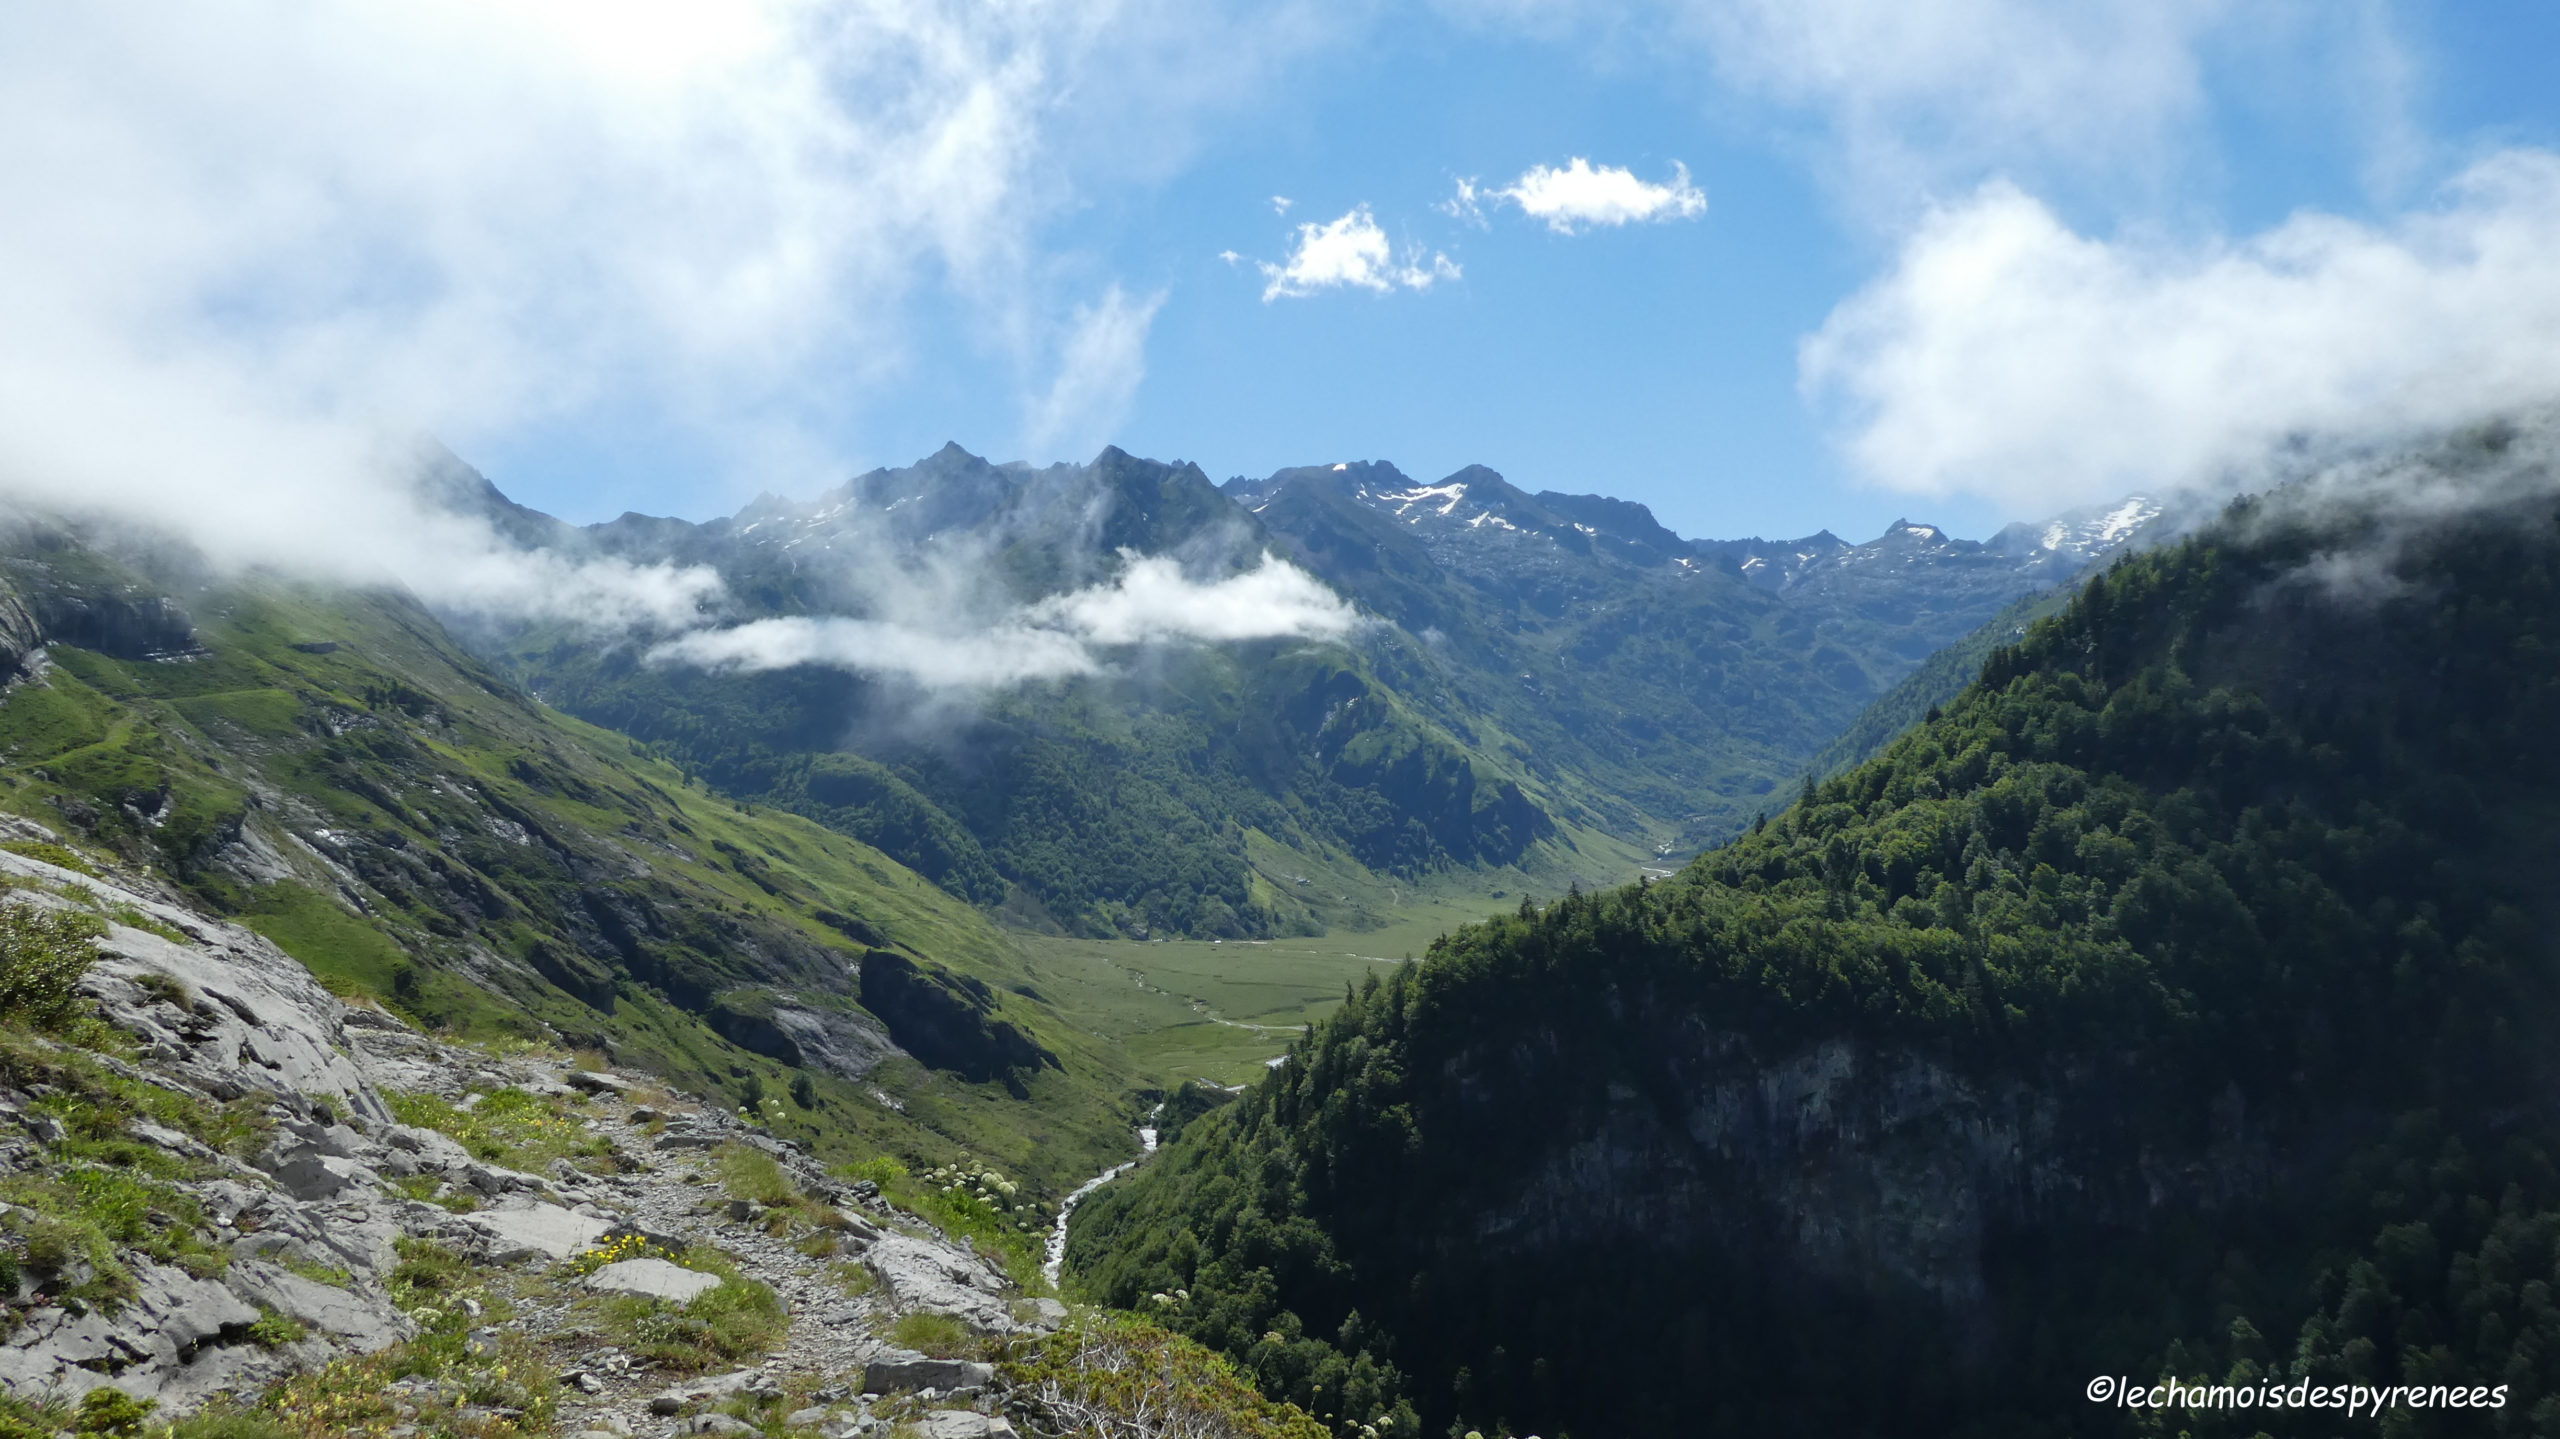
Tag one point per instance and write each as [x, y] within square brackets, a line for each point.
[1153, 601]
[1919, 92]
[2006, 355]
[1280, 204]
[1897, 102]
[1351, 252]
[1099, 370]
[246, 240]
[1581, 194]
[1150, 602]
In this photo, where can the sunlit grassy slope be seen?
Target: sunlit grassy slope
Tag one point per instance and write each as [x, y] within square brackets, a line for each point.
[330, 769]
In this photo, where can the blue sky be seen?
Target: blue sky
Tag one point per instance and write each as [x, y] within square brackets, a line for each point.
[1961, 260]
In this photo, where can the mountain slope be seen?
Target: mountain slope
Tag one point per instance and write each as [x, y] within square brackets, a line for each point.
[333, 770]
[2173, 1004]
[1558, 688]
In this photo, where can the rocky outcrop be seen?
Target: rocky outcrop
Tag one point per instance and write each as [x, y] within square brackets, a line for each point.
[830, 1040]
[947, 1021]
[310, 1228]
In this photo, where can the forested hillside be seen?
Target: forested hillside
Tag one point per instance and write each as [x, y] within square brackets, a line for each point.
[2176, 1001]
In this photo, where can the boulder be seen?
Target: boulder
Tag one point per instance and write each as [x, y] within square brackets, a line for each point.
[544, 1230]
[254, 1018]
[594, 1083]
[655, 1278]
[898, 1370]
[309, 1175]
[934, 1280]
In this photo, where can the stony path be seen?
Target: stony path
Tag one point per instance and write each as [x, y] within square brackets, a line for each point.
[831, 1348]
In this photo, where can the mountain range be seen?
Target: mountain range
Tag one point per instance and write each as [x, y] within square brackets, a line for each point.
[1548, 689]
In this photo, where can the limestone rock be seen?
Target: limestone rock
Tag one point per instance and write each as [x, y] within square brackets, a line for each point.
[904, 1369]
[363, 1322]
[655, 1278]
[963, 1424]
[151, 1344]
[544, 1230]
[931, 1279]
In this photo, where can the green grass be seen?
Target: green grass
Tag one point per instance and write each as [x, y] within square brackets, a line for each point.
[740, 1321]
[937, 1335]
[342, 951]
[1186, 1009]
[60, 856]
[747, 1173]
[274, 1331]
[510, 1127]
[1151, 1380]
[318, 1273]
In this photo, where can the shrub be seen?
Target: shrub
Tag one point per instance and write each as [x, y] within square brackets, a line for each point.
[43, 953]
[428, 1276]
[274, 1331]
[112, 1411]
[1126, 1376]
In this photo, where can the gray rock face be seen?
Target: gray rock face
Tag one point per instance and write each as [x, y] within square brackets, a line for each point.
[544, 1231]
[151, 1343]
[851, 1045]
[252, 1017]
[1853, 1163]
[366, 1322]
[900, 1370]
[654, 1278]
[309, 1175]
[933, 1280]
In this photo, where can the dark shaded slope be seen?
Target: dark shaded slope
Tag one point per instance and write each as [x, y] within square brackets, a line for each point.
[2176, 1003]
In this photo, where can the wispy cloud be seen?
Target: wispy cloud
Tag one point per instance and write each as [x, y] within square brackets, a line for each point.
[1151, 601]
[2006, 355]
[1351, 253]
[1099, 370]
